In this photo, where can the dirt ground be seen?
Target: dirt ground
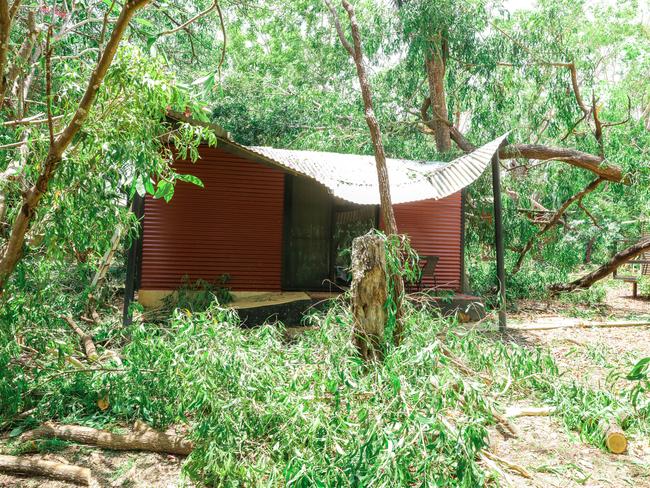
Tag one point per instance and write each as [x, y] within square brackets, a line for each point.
[554, 456]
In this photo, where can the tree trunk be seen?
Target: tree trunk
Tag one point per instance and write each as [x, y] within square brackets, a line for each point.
[13, 251]
[356, 52]
[618, 260]
[369, 292]
[48, 469]
[435, 64]
[148, 440]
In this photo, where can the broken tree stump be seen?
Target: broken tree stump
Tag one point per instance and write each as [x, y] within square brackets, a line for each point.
[48, 469]
[369, 292]
[148, 440]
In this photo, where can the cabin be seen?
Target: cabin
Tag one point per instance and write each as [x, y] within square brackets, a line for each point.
[276, 222]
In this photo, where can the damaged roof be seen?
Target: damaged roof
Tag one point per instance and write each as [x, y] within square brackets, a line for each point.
[353, 177]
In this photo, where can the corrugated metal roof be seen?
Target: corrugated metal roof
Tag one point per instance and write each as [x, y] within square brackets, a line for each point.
[353, 177]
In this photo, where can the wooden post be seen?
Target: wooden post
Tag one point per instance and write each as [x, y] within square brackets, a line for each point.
[498, 239]
[132, 263]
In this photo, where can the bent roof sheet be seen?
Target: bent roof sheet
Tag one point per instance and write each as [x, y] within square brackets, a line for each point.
[354, 178]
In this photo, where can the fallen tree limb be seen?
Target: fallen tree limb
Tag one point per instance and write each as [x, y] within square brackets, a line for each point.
[590, 162]
[583, 325]
[529, 411]
[49, 469]
[86, 340]
[144, 440]
[610, 266]
[508, 464]
[555, 219]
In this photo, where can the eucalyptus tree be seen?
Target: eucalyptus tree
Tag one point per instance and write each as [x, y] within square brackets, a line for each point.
[84, 116]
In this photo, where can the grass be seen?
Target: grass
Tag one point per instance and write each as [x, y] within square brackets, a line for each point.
[264, 411]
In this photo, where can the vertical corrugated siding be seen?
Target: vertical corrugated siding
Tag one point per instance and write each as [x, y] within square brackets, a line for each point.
[232, 226]
[434, 229]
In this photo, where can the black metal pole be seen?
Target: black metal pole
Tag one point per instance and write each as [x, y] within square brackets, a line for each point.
[498, 239]
[137, 207]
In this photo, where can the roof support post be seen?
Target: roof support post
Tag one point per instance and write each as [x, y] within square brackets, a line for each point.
[132, 262]
[498, 238]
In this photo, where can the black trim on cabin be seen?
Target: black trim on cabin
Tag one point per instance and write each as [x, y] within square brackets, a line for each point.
[134, 260]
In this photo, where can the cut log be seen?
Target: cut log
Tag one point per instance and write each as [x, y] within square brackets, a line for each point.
[48, 469]
[369, 292]
[86, 340]
[529, 411]
[148, 440]
[610, 266]
[615, 439]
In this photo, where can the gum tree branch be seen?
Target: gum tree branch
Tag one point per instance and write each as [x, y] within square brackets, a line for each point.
[13, 249]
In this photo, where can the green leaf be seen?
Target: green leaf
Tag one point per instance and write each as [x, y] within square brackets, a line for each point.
[640, 370]
[164, 190]
[190, 179]
[148, 186]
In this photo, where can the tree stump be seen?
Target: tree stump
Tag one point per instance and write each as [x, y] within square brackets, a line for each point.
[369, 292]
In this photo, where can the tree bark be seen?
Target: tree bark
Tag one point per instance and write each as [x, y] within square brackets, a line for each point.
[369, 293]
[14, 247]
[435, 63]
[48, 469]
[373, 125]
[554, 220]
[147, 440]
[618, 260]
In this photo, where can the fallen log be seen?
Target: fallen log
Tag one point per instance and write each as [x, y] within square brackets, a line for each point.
[610, 266]
[86, 340]
[584, 325]
[144, 440]
[529, 411]
[615, 438]
[48, 469]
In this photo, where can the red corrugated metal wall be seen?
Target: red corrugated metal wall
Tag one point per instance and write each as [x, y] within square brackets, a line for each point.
[232, 226]
[434, 227]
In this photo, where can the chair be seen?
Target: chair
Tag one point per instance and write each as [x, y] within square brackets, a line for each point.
[428, 270]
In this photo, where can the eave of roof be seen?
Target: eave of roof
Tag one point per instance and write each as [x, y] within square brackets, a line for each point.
[353, 177]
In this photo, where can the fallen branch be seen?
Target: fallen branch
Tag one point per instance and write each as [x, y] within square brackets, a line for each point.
[590, 162]
[583, 325]
[555, 219]
[610, 266]
[508, 464]
[49, 469]
[146, 440]
[86, 340]
[529, 411]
